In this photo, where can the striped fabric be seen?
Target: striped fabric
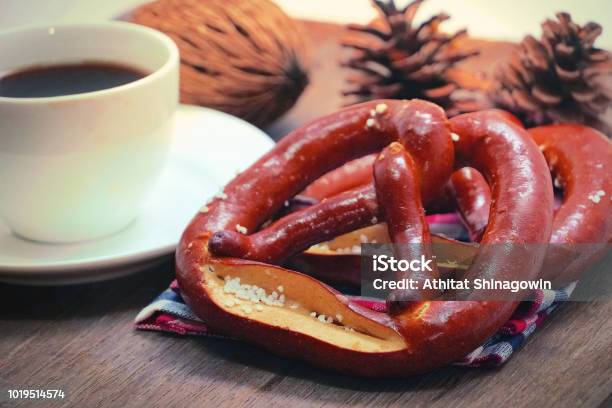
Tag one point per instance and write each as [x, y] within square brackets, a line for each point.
[169, 313]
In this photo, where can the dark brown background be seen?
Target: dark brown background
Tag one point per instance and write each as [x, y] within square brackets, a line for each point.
[80, 338]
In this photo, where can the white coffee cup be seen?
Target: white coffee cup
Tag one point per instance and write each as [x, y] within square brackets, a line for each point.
[79, 167]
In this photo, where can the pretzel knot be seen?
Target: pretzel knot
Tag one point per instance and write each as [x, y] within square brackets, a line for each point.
[402, 157]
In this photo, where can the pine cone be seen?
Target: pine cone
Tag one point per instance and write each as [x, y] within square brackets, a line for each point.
[561, 78]
[395, 59]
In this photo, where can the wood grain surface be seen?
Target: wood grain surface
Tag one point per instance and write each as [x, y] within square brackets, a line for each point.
[80, 339]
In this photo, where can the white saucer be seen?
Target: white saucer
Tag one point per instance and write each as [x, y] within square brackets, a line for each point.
[209, 148]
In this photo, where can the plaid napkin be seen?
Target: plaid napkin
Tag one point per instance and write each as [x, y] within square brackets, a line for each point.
[169, 313]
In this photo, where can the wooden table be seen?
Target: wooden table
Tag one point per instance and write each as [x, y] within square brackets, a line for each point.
[80, 339]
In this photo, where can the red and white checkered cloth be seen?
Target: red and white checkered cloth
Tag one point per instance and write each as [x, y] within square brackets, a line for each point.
[169, 313]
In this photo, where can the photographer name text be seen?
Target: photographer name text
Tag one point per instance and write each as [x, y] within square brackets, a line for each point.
[384, 263]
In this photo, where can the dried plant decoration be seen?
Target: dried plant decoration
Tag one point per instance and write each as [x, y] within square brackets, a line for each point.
[394, 58]
[245, 58]
[562, 77]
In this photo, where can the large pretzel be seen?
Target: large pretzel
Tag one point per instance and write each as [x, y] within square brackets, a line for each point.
[295, 315]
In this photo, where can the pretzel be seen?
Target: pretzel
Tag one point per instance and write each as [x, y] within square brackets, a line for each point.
[295, 315]
[579, 156]
[580, 159]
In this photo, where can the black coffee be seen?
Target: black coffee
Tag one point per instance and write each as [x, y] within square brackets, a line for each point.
[68, 79]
